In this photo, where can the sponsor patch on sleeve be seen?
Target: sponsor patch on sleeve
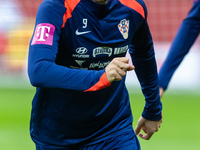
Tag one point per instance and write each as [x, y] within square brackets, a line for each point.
[43, 34]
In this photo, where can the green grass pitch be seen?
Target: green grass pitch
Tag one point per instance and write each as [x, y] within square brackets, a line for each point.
[179, 131]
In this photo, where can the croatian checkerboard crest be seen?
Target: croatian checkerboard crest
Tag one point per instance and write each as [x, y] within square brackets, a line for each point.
[123, 27]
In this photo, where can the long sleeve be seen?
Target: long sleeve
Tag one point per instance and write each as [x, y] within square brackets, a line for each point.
[143, 58]
[183, 41]
[42, 69]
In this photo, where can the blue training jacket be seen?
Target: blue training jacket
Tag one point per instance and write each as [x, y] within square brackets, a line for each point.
[73, 42]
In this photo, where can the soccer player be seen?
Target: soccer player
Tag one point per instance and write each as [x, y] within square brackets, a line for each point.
[77, 64]
[184, 39]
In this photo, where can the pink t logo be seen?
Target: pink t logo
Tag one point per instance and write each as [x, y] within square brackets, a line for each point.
[43, 34]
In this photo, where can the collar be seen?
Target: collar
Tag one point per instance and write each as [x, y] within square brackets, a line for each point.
[99, 10]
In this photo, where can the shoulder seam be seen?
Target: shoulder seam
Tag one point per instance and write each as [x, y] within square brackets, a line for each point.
[69, 5]
[135, 6]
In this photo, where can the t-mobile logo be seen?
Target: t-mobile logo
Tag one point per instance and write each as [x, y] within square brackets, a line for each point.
[43, 34]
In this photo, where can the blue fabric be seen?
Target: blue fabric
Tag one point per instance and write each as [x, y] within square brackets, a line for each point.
[124, 141]
[63, 115]
[184, 39]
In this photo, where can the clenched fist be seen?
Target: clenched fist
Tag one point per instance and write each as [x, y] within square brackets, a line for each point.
[117, 68]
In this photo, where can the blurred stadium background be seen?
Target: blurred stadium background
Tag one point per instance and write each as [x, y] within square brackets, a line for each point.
[17, 18]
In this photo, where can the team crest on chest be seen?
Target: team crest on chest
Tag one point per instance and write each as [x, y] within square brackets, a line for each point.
[123, 27]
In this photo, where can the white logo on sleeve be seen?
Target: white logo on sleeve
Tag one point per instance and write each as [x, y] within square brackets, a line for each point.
[43, 34]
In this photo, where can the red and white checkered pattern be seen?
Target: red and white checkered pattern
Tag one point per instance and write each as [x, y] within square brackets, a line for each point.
[126, 25]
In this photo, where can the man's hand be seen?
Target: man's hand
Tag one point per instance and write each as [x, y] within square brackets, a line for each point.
[117, 68]
[149, 127]
[161, 91]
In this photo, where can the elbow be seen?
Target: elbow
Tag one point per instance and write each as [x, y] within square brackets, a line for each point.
[34, 78]
[33, 82]
[38, 72]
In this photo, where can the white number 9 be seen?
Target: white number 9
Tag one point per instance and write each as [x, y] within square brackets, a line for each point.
[85, 23]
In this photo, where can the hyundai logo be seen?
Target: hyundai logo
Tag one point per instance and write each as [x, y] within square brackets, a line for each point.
[81, 50]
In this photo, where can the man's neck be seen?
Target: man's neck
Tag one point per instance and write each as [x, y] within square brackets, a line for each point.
[101, 1]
